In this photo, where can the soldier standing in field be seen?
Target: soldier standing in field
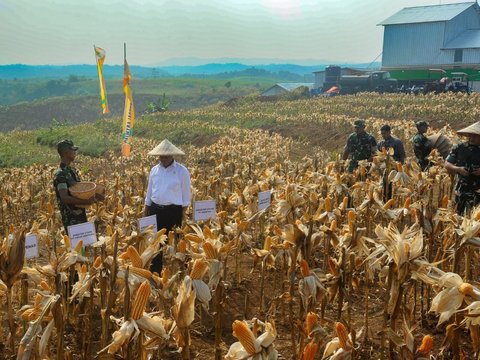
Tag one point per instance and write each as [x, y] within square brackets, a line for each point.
[464, 161]
[421, 145]
[64, 178]
[360, 145]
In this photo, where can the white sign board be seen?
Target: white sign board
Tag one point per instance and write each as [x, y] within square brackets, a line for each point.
[145, 222]
[85, 232]
[31, 246]
[264, 200]
[204, 210]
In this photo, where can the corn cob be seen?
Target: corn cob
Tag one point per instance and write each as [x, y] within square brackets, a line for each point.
[141, 298]
[182, 246]
[134, 257]
[45, 286]
[407, 203]
[78, 248]
[328, 204]
[147, 274]
[333, 225]
[310, 351]
[267, 245]
[98, 262]
[194, 238]
[66, 241]
[342, 334]
[466, 289]
[305, 268]
[310, 322]
[426, 346]
[389, 204]
[209, 250]
[242, 332]
[199, 268]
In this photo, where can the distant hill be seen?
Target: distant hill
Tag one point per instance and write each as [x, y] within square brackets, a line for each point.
[20, 71]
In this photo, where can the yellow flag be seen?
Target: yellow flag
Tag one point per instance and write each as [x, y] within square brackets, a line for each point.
[100, 56]
[128, 111]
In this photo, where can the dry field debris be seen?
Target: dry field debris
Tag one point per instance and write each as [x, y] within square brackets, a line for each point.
[331, 270]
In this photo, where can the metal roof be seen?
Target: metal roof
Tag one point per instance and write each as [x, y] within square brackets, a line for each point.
[293, 86]
[422, 14]
[469, 39]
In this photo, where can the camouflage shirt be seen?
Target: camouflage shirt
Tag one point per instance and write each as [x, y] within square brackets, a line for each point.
[65, 177]
[422, 148]
[359, 148]
[468, 156]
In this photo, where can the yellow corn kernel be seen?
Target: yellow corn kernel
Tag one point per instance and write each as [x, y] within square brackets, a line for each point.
[141, 298]
[134, 256]
[408, 202]
[243, 333]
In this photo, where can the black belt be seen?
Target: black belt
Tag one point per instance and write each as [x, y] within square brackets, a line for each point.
[169, 206]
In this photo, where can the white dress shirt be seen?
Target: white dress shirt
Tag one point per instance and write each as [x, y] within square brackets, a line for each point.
[168, 186]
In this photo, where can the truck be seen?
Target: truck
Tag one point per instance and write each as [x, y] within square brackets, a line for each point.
[379, 81]
[350, 84]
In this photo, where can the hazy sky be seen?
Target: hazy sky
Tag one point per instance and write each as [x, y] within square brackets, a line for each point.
[64, 31]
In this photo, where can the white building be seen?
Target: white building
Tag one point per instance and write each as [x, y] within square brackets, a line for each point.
[282, 88]
[443, 36]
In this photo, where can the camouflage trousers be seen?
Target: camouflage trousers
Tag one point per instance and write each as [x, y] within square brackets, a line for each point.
[466, 201]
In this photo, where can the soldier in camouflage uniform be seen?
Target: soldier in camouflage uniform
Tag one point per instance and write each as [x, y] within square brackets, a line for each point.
[360, 145]
[464, 161]
[421, 145]
[65, 177]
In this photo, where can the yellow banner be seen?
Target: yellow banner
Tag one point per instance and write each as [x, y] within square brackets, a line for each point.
[100, 56]
[128, 112]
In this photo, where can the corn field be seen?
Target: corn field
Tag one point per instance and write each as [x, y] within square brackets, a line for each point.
[333, 269]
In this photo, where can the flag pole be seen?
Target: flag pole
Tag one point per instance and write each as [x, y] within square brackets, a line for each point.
[96, 62]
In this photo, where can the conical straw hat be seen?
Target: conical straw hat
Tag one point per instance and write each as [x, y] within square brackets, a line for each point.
[166, 148]
[472, 129]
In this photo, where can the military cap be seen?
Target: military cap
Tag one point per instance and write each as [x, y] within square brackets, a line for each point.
[421, 123]
[66, 145]
[359, 123]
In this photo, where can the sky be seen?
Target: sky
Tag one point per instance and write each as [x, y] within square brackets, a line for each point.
[166, 32]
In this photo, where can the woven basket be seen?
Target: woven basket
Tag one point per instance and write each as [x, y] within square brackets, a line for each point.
[83, 190]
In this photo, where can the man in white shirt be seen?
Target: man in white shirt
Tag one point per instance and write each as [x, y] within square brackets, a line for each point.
[168, 192]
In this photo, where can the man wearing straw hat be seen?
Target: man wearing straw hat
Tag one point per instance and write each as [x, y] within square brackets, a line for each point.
[168, 192]
[464, 161]
[64, 178]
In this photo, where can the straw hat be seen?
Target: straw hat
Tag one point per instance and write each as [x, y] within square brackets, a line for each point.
[472, 129]
[166, 148]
